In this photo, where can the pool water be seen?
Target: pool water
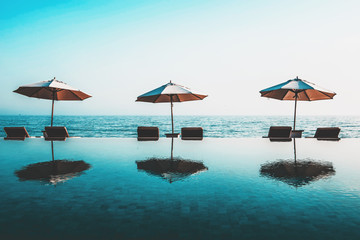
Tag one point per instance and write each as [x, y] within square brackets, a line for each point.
[227, 197]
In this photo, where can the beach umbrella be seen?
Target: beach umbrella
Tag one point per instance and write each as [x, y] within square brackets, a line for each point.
[297, 90]
[54, 171]
[170, 92]
[54, 90]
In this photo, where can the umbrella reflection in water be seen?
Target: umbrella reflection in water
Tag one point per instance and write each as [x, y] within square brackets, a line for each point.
[171, 169]
[297, 173]
[54, 171]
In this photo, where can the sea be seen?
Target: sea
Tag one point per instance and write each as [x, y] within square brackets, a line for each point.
[214, 126]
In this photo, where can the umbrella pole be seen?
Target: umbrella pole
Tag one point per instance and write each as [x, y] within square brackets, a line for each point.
[52, 150]
[52, 109]
[172, 148]
[53, 160]
[172, 118]
[295, 110]
[294, 151]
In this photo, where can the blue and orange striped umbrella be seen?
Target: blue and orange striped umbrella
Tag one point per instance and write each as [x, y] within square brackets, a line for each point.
[297, 90]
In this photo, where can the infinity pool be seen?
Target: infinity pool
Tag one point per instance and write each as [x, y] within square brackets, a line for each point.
[239, 189]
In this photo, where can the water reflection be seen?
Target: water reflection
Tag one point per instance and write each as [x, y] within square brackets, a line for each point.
[53, 172]
[171, 169]
[296, 172]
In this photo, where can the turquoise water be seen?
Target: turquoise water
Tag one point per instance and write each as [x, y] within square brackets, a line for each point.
[230, 198]
[214, 126]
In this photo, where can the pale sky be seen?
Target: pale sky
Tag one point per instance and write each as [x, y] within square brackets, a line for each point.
[229, 50]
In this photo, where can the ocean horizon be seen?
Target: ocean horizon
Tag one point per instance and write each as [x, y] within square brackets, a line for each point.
[125, 126]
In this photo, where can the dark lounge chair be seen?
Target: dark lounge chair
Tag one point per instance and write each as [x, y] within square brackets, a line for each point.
[55, 133]
[279, 134]
[191, 133]
[148, 133]
[16, 133]
[330, 133]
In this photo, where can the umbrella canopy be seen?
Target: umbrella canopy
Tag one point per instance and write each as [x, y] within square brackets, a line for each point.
[170, 92]
[297, 173]
[54, 90]
[297, 90]
[171, 169]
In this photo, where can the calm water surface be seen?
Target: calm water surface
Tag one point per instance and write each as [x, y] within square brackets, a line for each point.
[230, 199]
[214, 126]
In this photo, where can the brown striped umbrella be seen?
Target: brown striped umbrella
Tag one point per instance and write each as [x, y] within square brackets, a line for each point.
[297, 90]
[170, 92]
[54, 90]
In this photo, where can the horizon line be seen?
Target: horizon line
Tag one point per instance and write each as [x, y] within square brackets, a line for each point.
[214, 115]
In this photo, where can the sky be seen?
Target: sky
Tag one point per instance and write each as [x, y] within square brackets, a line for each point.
[230, 50]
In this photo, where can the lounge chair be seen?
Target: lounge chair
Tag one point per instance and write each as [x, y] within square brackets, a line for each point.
[331, 133]
[148, 133]
[16, 133]
[191, 133]
[279, 134]
[55, 133]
